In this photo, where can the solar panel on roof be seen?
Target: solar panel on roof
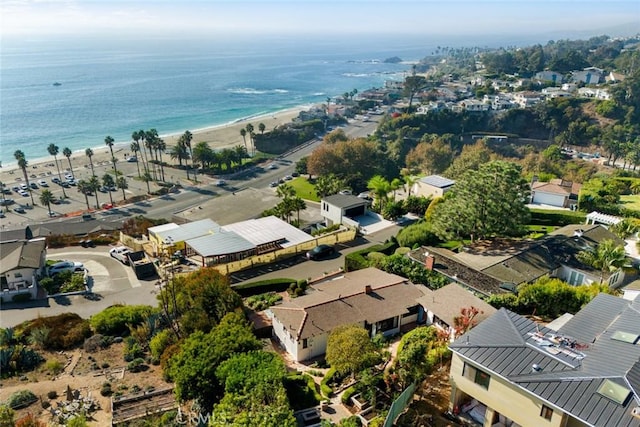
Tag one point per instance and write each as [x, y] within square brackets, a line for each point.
[613, 391]
[627, 337]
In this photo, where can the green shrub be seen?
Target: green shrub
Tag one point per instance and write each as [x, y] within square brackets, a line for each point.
[263, 286]
[301, 391]
[325, 388]
[417, 234]
[54, 366]
[136, 365]
[347, 393]
[52, 394]
[560, 218]
[132, 350]
[66, 330]
[106, 390]
[160, 342]
[21, 399]
[115, 320]
[262, 301]
[357, 261]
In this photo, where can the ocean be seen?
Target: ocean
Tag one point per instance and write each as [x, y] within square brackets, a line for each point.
[75, 92]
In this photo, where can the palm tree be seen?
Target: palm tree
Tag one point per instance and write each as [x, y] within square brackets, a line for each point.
[107, 181]
[180, 152]
[2, 195]
[109, 142]
[249, 128]
[380, 188]
[261, 128]
[394, 185]
[46, 197]
[146, 177]
[161, 146]
[298, 204]
[606, 257]
[94, 185]
[54, 150]
[135, 148]
[84, 188]
[240, 153]
[150, 142]
[67, 153]
[187, 138]
[138, 136]
[22, 164]
[89, 153]
[121, 182]
[243, 134]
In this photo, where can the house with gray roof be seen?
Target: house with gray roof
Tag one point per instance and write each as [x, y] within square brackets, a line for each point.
[343, 209]
[21, 263]
[500, 265]
[378, 301]
[432, 186]
[511, 371]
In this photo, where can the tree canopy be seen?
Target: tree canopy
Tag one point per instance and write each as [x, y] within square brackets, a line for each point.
[349, 349]
[488, 202]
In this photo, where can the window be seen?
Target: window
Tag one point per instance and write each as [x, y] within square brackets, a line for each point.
[476, 375]
[17, 275]
[305, 343]
[546, 412]
[575, 278]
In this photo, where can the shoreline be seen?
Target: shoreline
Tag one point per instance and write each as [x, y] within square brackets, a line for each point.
[219, 136]
[171, 139]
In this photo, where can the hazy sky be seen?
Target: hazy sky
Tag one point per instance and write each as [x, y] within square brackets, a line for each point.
[445, 17]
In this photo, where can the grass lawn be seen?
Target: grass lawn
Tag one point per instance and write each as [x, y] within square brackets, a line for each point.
[304, 189]
[630, 201]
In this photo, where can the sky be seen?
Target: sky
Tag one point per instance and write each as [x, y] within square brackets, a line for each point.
[194, 17]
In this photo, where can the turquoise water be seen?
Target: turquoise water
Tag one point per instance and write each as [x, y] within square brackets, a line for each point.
[116, 86]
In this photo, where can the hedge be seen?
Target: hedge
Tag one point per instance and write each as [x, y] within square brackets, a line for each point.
[302, 392]
[326, 390]
[263, 286]
[358, 260]
[553, 217]
[115, 320]
[347, 393]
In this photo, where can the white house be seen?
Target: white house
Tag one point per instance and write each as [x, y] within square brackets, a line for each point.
[22, 262]
[526, 99]
[342, 208]
[557, 192]
[378, 301]
[432, 186]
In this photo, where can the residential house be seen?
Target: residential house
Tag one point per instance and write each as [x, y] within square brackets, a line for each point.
[512, 371]
[432, 186]
[500, 265]
[498, 102]
[589, 92]
[588, 76]
[614, 77]
[22, 233]
[569, 87]
[22, 262]
[631, 291]
[473, 105]
[549, 76]
[443, 305]
[526, 99]
[557, 192]
[555, 92]
[343, 209]
[378, 301]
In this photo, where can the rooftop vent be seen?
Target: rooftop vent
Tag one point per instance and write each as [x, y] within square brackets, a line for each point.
[536, 368]
[636, 412]
[579, 232]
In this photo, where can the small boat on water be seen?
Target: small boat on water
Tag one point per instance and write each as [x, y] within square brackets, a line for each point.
[57, 84]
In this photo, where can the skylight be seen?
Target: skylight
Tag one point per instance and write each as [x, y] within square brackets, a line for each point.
[613, 391]
[627, 337]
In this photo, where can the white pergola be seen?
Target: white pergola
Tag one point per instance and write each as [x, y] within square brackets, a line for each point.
[600, 218]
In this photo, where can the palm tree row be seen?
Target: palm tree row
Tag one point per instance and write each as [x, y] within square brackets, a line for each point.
[22, 164]
[207, 157]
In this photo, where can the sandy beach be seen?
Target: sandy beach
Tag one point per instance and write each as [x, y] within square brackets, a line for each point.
[218, 137]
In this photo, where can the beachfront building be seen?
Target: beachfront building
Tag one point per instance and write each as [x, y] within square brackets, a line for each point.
[241, 240]
[171, 237]
[379, 302]
[22, 262]
[582, 371]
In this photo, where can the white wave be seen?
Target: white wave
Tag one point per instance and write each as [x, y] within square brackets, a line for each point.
[253, 91]
[356, 75]
[319, 94]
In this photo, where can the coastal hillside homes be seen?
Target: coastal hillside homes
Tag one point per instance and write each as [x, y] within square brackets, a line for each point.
[500, 265]
[555, 92]
[569, 87]
[378, 301]
[343, 209]
[549, 76]
[590, 92]
[588, 76]
[511, 371]
[498, 102]
[473, 105]
[22, 262]
[557, 192]
[172, 237]
[432, 186]
[442, 306]
[526, 99]
[244, 239]
[614, 77]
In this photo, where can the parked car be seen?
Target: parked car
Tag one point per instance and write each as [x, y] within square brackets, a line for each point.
[321, 251]
[6, 191]
[61, 266]
[19, 210]
[2, 215]
[288, 178]
[33, 185]
[272, 166]
[55, 180]
[24, 187]
[15, 188]
[23, 193]
[6, 202]
[43, 183]
[120, 253]
[132, 159]
[221, 183]
[273, 184]
[345, 192]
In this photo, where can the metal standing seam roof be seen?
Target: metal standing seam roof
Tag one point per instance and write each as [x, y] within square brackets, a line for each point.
[220, 243]
[269, 229]
[506, 344]
[437, 181]
[187, 231]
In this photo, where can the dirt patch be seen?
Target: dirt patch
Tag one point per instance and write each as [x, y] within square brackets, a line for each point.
[80, 373]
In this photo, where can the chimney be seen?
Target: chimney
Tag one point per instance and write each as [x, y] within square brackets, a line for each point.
[429, 261]
[367, 289]
[578, 232]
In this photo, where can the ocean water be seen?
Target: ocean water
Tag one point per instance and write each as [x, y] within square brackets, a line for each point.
[116, 86]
